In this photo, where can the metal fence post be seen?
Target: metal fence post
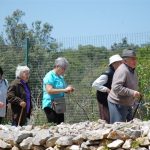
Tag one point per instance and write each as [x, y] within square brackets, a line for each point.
[26, 51]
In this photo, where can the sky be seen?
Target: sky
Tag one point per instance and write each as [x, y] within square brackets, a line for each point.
[74, 18]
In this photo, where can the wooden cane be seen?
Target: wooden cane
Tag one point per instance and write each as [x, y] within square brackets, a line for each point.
[20, 116]
[139, 102]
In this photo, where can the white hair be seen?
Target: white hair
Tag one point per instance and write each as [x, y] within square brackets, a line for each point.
[21, 69]
[62, 62]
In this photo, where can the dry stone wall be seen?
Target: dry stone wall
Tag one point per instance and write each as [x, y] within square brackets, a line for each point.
[134, 135]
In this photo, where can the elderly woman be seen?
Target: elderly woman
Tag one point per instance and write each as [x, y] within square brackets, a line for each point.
[19, 96]
[54, 87]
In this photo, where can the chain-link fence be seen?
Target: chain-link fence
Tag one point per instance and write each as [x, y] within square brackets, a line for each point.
[88, 58]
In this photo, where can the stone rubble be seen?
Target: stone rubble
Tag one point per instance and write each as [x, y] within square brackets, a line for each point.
[98, 135]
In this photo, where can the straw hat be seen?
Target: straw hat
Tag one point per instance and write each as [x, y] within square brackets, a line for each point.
[114, 58]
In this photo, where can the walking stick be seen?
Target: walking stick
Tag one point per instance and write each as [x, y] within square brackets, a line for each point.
[20, 116]
[134, 113]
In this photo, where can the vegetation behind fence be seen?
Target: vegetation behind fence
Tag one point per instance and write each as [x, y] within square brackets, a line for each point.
[87, 62]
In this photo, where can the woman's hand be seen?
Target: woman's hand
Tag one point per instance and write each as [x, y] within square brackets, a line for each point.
[23, 104]
[70, 89]
[1, 105]
[108, 90]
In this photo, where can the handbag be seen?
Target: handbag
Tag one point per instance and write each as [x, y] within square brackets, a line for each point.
[59, 105]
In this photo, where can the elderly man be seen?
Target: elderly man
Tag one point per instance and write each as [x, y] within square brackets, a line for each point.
[124, 89]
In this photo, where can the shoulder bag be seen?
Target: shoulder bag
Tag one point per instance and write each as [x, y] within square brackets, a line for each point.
[59, 105]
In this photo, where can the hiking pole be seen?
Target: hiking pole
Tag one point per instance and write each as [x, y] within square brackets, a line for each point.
[20, 116]
[139, 102]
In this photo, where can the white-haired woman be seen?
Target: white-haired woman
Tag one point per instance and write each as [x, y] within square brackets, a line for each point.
[54, 87]
[19, 95]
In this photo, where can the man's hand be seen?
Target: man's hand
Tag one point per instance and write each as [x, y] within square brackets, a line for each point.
[23, 104]
[136, 94]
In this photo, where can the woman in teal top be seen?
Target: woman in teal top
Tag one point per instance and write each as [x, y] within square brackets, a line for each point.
[54, 86]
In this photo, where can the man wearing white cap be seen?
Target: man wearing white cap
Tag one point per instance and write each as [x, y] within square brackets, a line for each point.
[124, 89]
[103, 85]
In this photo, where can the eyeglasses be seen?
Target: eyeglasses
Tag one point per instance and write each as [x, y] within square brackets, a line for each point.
[63, 68]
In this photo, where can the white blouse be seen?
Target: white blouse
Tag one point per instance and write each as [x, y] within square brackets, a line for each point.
[98, 84]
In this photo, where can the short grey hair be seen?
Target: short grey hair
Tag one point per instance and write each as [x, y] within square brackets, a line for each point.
[62, 62]
[21, 69]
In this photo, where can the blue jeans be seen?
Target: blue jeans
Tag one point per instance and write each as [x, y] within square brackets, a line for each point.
[119, 113]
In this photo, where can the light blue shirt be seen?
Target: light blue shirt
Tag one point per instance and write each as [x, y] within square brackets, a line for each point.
[3, 94]
[57, 82]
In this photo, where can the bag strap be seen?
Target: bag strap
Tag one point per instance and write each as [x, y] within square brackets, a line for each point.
[6, 82]
[53, 105]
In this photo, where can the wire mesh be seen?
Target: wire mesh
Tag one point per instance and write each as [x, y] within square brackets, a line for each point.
[88, 58]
